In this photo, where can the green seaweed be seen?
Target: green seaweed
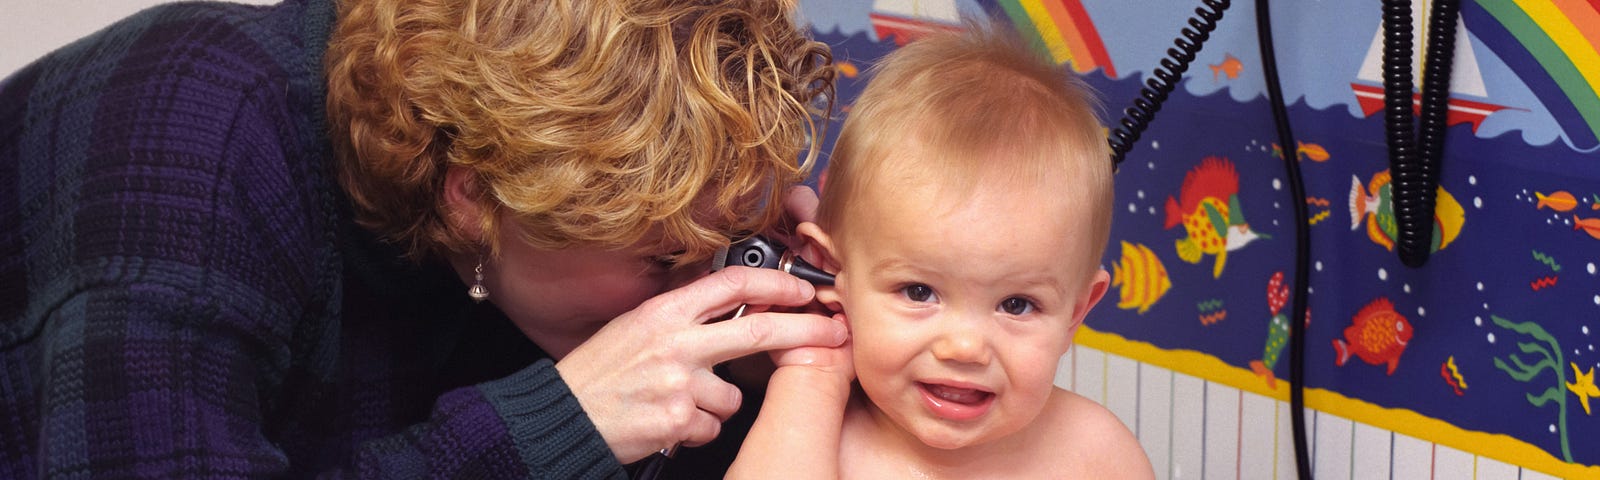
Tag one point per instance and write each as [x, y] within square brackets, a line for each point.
[1549, 358]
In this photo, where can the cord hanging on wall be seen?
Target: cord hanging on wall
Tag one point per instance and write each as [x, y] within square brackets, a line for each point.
[1414, 157]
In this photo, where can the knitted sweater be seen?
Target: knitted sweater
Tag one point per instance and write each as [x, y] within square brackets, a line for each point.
[183, 293]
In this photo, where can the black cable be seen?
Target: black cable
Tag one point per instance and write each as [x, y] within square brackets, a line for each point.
[1414, 158]
[1302, 246]
[1165, 78]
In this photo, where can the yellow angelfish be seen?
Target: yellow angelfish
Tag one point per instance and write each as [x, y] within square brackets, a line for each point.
[1141, 276]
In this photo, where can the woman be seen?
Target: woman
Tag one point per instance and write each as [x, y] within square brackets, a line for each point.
[242, 242]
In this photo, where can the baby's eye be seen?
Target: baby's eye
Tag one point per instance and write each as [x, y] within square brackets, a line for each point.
[917, 292]
[1016, 306]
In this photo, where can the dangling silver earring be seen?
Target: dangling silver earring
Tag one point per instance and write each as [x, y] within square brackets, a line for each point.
[477, 292]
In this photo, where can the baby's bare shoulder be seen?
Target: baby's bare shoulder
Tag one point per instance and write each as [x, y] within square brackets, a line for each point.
[1100, 445]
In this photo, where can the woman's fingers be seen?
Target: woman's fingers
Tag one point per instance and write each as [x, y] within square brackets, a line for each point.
[715, 396]
[722, 341]
[725, 290]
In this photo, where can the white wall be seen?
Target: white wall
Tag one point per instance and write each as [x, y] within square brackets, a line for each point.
[31, 28]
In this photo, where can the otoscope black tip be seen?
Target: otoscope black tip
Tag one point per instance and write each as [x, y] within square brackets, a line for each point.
[809, 273]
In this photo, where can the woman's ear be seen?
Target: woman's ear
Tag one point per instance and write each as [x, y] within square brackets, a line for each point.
[819, 250]
[462, 210]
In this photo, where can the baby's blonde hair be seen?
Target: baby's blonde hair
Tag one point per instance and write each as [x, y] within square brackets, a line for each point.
[963, 97]
[591, 122]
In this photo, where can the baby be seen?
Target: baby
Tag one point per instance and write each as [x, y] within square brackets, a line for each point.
[965, 209]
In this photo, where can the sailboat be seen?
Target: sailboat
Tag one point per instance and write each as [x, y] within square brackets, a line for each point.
[906, 20]
[1467, 94]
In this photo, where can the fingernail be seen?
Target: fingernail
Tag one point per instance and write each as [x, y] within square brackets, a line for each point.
[840, 334]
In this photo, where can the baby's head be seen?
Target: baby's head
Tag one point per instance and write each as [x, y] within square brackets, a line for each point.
[966, 206]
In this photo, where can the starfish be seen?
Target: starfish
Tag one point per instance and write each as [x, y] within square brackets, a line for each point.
[1583, 386]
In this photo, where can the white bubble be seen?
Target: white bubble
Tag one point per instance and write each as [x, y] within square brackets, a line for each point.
[1480, 286]
[1152, 165]
[1591, 347]
[1548, 222]
[1576, 352]
[1277, 184]
[1472, 179]
[1422, 312]
[1384, 275]
[1477, 321]
[1152, 210]
[1591, 268]
[1140, 193]
[1485, 305]
[1552, 428]
[1154, 145]
[1274, 222]
[1310, 290]
[1477, 202]
[1319, 265]
[1491, 337]
[1406, 287]
[1597, 299]
[1276, 205]
[1585, 329]
[1133, 208]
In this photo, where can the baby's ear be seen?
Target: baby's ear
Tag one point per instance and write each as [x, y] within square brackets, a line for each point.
[1099, 283]
[819, 250]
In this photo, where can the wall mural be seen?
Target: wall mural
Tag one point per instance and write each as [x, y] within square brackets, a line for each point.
[1489, 347]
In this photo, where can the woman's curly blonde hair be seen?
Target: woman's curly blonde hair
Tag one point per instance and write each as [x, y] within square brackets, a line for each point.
[591, 122]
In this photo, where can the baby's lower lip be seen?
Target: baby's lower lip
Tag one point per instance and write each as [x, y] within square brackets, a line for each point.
[955, 403]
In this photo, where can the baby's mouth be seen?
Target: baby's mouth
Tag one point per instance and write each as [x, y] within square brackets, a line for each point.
[958, 395]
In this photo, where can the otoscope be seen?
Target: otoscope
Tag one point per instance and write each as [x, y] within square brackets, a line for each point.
[758, 252]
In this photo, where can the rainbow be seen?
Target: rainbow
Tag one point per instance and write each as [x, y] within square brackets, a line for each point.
[1063, 28]
[1557, 53]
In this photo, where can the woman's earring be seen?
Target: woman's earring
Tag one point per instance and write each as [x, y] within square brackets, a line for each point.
[477, 292]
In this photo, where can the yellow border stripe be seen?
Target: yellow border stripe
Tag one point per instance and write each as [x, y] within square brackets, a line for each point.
[1500, 447]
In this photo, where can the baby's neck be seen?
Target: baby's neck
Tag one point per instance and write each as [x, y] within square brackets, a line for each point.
[875, 446]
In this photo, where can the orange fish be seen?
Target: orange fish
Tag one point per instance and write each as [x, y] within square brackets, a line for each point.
[1230, 66]
[1590, 226]
[847, 69]
[1303, 151]
[1377, 334]
[1560, 201]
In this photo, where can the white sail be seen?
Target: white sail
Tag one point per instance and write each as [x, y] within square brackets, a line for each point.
[942, 11]
[1465, 78]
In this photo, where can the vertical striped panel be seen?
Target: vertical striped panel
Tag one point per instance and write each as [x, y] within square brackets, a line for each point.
[1333, 447]
[1490, 469]
[1284, 422]
[1222, 432]
[1451, 463]
[1371, 448]
[1088, 374]
[1155, 416]
[1188, 427]
[1258, 443]
[1122, 391]
[1412, 458]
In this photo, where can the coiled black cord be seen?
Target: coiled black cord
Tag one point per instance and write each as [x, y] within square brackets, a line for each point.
[1414, 158]
[1302, 245]
[1137, 118]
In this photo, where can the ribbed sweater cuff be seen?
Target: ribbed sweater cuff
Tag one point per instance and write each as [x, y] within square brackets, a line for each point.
[554, 436]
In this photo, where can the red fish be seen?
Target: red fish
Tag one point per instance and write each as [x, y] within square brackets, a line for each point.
[1377, 334]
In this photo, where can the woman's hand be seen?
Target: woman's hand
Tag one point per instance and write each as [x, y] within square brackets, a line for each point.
[645, 379]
